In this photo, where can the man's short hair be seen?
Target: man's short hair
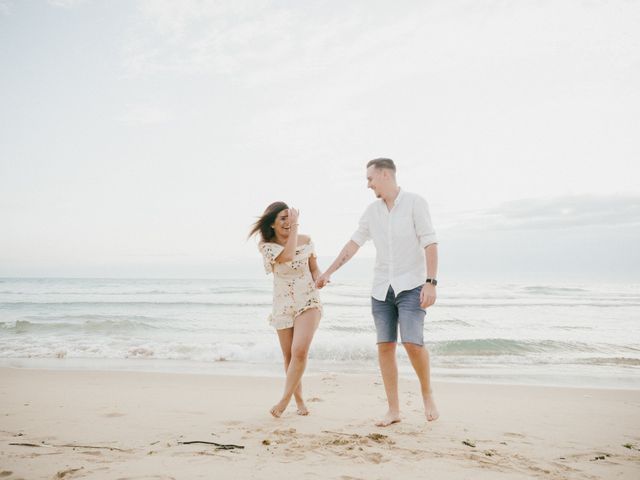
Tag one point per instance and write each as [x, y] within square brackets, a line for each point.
[382, 163]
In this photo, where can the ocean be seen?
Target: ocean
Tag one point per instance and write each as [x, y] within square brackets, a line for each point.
[568, 334]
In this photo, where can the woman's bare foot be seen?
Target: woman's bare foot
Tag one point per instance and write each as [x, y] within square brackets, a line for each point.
[430, 409]
[389, 419]
[278, 409]
[302, 408]
[275, 412]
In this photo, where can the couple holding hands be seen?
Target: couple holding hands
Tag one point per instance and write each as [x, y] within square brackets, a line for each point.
[404, 284]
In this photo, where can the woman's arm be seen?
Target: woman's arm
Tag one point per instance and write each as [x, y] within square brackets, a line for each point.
[313, 267]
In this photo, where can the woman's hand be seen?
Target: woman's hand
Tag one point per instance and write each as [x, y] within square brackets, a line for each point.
[322, 280]
[293, 216]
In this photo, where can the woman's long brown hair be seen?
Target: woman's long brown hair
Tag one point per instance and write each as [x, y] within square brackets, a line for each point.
[263, 224]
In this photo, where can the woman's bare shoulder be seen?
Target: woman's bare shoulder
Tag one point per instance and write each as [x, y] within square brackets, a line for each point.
[303, 239]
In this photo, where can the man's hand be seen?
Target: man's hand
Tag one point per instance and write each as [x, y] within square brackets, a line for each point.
[322, 280]
[427, 295]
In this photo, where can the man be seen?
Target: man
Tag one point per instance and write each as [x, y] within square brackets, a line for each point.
[406, 247]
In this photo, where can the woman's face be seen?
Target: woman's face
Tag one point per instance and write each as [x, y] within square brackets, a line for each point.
[281, 225]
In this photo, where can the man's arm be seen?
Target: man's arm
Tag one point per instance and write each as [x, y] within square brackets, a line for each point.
[343, 257]
[428, 293]
[431, 256]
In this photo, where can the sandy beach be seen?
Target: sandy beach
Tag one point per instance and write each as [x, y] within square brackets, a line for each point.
[130, 425]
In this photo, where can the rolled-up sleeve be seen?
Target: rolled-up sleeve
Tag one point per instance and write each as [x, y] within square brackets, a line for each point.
[363, 233]
[422, 221]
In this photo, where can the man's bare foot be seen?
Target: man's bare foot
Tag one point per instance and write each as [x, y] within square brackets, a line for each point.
[430, 409]
[389, 419]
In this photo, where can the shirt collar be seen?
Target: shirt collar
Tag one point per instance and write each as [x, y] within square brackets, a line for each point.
[398, 197]
[396, 201]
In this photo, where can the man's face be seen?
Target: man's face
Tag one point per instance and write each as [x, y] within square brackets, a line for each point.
[375, 179]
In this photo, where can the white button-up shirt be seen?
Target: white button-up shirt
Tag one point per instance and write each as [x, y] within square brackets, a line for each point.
[400, 236]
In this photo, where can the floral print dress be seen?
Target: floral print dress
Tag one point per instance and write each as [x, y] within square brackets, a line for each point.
[294, 290]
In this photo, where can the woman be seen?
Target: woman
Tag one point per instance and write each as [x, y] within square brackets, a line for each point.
[296, 303]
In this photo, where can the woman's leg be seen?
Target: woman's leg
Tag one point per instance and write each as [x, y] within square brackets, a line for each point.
[303, 329]
[285, 336]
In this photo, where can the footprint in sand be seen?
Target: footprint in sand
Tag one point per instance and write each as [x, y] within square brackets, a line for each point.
[330, 380]
[114, 415]
[232, 423]
[593, 456]
[94, 453]
[375, 457]
[148, 477]
[287, 432]
[67, 473]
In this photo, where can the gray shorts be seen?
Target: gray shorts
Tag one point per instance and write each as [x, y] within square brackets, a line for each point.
[402, 310]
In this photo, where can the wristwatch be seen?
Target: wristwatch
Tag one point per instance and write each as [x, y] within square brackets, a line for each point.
[432, 281]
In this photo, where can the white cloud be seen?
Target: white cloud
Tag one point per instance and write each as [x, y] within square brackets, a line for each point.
[478, 102]
[566, 212]
[191, 36]
[66, 3]
[5, 7]
[257, 41]
[139, 115]
[174, 18]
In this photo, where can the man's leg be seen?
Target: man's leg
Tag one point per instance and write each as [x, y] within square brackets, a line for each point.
[389, 370]
[411, 322]
[385, 316]
[419, 357]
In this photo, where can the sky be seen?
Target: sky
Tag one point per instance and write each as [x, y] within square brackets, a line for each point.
[142, 138]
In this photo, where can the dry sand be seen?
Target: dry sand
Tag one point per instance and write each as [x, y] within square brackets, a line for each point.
[126, 425]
